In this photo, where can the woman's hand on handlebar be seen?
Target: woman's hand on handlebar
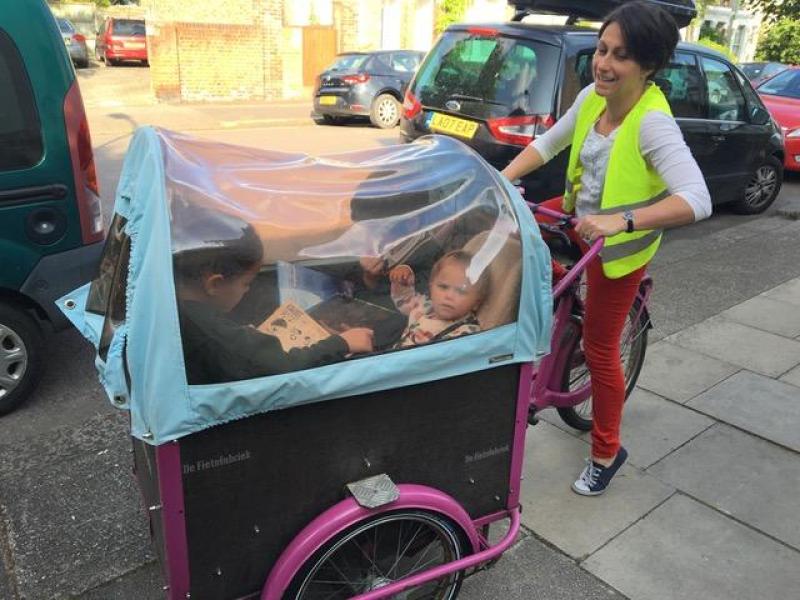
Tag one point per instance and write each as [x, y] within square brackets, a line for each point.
[592, 227]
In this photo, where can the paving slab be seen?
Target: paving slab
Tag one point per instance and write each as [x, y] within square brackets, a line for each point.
[86, 525]
[786, 292]
[652, 427]
[684, 550]
[553, 460]
[762, 312]
[764, 406]
[533, 571]
[145, 583]
[764, 491]
[679, 373]
[792, 377]
[748, 347]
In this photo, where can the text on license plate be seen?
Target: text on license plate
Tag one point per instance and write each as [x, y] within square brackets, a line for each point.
[327, 100]
[453, 125]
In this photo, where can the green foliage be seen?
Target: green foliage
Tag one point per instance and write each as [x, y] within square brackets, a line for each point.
[780, 42]
[718, 47]
[776, 10]
[449, 12]
[709, 32]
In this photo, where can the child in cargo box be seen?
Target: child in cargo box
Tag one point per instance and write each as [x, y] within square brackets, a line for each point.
[211, 277]
[449, 310]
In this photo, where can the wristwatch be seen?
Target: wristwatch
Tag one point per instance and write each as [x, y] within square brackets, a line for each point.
[628, 216]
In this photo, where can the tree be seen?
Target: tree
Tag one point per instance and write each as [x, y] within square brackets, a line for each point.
[449, 12]
[775, 10]
[780, 42]
[710, 32]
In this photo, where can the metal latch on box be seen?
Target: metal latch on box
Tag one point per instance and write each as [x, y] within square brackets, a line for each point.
[375, 491]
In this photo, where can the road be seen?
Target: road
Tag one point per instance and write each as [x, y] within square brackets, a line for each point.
[66, 447]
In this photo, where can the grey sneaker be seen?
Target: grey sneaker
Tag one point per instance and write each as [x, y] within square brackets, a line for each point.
[594, 478]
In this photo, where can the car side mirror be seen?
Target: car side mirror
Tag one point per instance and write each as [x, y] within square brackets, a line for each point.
[759, 115]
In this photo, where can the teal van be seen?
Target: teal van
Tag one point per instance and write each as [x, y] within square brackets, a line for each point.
[51, 224]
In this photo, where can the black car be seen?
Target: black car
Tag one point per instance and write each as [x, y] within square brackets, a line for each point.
[365, 84]
[496, 87]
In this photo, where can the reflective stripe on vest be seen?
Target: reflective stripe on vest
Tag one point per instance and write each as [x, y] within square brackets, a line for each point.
[630, 183]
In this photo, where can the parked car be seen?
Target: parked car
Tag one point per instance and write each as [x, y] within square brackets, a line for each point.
[759, 72]
[781, 94]
[120, 40]
[496, 87]
[368, 84]
[75, 43]
[51, 224]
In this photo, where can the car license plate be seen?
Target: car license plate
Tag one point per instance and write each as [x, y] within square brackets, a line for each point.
[327, 100]
[134, 45]
[453, 125]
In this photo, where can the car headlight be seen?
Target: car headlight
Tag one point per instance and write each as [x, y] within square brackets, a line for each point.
[793, 133]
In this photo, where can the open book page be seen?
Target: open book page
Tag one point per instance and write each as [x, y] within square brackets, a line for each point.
[293, 327]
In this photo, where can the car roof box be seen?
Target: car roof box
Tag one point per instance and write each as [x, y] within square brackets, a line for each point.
[683, 11]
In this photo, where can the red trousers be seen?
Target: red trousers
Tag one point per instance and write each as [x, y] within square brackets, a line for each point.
[608, 302]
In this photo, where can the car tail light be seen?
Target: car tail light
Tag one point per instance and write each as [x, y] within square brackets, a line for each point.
[520, 130]
[482, 31]
[83, 171]
[354, 79]
[81, 39]
[411, 106]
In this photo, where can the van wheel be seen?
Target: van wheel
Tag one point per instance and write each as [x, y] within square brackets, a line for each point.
[20, 357]
[762, 189]
[385, 111]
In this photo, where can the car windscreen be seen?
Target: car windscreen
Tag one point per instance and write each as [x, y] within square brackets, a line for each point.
[490, 76]
[783, 84]
[65, 26]
[128, 27]
[752, 70]
[348, 61]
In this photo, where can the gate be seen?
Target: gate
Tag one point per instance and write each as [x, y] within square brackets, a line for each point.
[319, 50]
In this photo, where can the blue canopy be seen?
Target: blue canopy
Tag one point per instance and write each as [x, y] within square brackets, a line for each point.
[310, 213]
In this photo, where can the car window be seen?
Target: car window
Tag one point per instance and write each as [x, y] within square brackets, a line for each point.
[128, 27]
[65, 26]
[682, 84]
[489, 76]
[348, 61]
[725, 99]
[381, 63]
[583, 68]
[752, 99]
[21, 143]
[752, 70]
[783, 84]
[404, 62]
[772, 69]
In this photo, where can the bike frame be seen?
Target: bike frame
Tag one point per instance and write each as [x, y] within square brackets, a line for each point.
[545, 389]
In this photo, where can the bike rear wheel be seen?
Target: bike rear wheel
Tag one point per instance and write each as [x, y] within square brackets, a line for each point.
[382, 550]
[633, 346]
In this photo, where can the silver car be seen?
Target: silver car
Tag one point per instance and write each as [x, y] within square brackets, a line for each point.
[75, 43]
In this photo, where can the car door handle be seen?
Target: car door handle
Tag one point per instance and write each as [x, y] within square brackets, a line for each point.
[37, 193]
[718, 138]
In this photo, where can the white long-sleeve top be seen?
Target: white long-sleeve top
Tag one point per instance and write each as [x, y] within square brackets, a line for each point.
[661, 143]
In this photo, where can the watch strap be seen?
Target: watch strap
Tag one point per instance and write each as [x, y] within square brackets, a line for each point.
[628, 216]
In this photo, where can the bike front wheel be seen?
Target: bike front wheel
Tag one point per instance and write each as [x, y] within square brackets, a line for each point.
[633, 346]
[381, 550]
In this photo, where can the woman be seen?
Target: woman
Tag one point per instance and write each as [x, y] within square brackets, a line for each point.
[630, 175]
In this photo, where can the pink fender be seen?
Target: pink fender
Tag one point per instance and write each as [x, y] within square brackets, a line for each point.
[347, 513]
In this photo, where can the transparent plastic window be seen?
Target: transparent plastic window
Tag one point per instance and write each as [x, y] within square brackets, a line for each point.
[284, 262]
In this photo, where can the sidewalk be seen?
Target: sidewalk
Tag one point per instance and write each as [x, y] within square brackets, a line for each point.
[707, 505]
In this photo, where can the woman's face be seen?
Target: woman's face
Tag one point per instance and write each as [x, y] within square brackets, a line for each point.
[616, 74]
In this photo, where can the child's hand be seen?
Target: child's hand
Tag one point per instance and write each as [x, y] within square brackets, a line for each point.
[402, 275]
[372, 265]
[358, 339]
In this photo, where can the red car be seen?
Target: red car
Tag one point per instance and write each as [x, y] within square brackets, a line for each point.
[781, 94]
[121, 39]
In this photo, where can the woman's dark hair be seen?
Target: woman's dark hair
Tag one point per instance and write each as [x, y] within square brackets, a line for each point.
[210, 242]
[650, 33]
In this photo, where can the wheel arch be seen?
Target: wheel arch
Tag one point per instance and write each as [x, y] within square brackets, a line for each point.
[348, 513]
[391, 91]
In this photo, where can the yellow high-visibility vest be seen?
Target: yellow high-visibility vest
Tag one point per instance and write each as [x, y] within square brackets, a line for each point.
[629, 182]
